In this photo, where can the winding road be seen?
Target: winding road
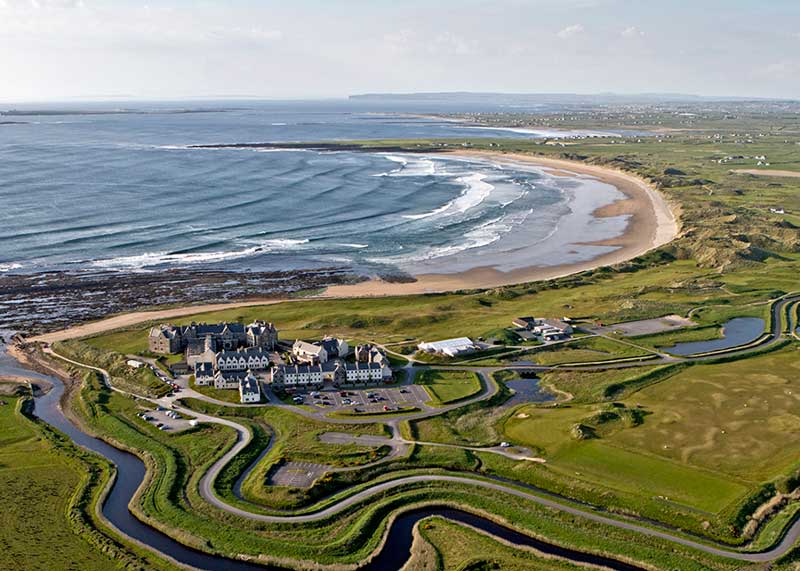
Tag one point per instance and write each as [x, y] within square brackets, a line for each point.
[489, 389]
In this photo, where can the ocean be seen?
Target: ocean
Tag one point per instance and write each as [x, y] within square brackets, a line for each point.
[107, 192]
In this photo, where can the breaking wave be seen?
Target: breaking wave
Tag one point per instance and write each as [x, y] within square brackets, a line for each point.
[476, 190]
[150, 259]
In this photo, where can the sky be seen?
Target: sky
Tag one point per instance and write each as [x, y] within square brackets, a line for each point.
[59, 49]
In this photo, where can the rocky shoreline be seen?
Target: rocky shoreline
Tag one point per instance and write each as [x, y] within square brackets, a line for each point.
[37, 303]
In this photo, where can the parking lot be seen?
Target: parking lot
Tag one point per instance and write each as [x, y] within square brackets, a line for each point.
[368, 400]
[157, 417]
[297, 474]
[645, 326]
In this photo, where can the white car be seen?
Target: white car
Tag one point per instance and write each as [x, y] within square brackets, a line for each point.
[505, 445]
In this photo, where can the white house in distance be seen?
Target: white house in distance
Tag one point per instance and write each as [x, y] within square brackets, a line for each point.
[543, 328]
[450, 347]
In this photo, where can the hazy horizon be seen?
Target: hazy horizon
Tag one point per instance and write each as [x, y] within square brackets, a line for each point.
[55, 50]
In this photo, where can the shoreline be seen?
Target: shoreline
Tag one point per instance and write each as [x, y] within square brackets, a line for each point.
[652, 223]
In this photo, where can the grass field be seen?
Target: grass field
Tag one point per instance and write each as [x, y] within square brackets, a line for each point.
[593, 386]
[670, 338]
[225, 395]
[471, 425]
[708, 433]
[36, 485]
[456, 546]
[445, 387]
[140, 381]
[740, 418]
[586, 350]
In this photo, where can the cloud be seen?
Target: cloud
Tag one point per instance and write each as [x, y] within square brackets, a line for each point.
[784, 69]
[452, 44]
[235, 34]
[632, 32]
[570, 31]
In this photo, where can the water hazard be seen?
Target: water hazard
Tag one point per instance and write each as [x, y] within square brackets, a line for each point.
[737, 331]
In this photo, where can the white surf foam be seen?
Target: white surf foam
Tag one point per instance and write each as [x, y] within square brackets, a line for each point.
[7, 267]
[479, 237]
[161, 258]
[476, 190]
[550, 133]
[416, 166]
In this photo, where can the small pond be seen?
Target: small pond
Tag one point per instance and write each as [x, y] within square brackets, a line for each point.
[737, 331]
[527, 390]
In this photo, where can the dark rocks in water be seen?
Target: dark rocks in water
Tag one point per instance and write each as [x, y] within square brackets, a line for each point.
[47, 301]
[420, 148]
[398, 278]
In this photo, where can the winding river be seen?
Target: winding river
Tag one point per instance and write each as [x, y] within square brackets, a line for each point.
[131, 472]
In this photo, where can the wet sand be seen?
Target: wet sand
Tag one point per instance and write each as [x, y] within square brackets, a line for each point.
[651, 224]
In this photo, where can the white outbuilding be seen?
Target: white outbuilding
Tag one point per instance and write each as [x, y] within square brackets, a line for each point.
[449, 347]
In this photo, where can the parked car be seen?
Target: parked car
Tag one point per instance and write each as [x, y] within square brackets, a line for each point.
[505, 445]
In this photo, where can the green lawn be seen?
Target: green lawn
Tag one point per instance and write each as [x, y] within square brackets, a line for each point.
[445, 387]
[225, 395]
[642, 474]
[585, 350]
[36, 486]
[449, 545]
[708, 433]
[594, 386]
[740, 418]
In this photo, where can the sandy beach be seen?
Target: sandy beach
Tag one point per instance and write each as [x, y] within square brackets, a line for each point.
[651, 224]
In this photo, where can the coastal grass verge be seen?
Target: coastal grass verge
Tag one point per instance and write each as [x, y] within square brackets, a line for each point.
[51, 491]
[141, 380]
[455, 546]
